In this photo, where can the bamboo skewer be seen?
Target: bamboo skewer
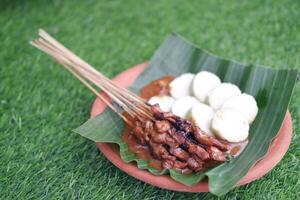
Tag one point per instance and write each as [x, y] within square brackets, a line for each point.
[93, 70]
[80, 78]
[137, 102]
[60, 47]
[128, 101]
[111, 93]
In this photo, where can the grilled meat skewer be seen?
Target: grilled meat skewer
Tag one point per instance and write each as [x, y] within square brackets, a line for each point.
[177, 142]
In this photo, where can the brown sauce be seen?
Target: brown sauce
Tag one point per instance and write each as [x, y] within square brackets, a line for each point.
[161, 87]
[157, 87]
[236, 149]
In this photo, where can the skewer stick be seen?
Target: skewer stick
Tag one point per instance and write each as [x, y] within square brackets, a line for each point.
[128, 101]
[48, 49]
[62, 60]
[84, 82]
[131, 102]
[62, 48]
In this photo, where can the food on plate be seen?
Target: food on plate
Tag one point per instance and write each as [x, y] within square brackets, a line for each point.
[182, 106]
[203, 83]
[218, 109]
[177, 144]
[222, 93]
[181, 86]
[201, 115]
[187, 135]
[165, 102]
[245, 104]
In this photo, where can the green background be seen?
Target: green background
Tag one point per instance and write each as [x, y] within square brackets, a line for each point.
[40, 103]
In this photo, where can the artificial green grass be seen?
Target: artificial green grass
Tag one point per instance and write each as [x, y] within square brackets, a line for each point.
[40, 103]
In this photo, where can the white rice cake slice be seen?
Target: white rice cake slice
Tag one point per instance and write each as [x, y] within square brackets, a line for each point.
[229, 124]
[203, 83]
[182, 106]
[181, 86]
[165, 102]
[220, 94]
[201, 115]
[245, 104]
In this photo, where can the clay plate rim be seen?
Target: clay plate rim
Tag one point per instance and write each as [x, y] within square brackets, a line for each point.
[278, 148]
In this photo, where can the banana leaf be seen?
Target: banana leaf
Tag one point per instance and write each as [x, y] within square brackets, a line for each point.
[271, 88]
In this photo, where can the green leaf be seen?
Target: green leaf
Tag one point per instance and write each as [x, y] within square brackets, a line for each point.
[271, 88]
[187, 179]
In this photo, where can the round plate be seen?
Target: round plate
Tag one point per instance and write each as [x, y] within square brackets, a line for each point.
[275, 153]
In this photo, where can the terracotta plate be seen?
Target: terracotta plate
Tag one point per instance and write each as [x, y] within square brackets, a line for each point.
[276, 151]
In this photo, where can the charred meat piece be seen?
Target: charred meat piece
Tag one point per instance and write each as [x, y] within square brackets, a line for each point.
[158, 114]
[178, 136]
[210, 141]
[158, 150]
[195, 164]
[162, 126]
[199, 151]
[139, 132]
[216, 154]
[167, 164]
[183, 125]
[185, 144]
[148, 125]
[173, 164]
[179, 153]
[179, 165]
[161, 138]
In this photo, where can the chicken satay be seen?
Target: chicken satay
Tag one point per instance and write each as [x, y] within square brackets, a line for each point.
[162, 126]
[216, 154]
[195, 163]
[199, 151]
[178, 143]
[209, 141]
[179, 153]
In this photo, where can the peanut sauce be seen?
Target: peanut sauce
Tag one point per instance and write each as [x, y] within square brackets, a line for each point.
[155, 88]
[236, 149]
